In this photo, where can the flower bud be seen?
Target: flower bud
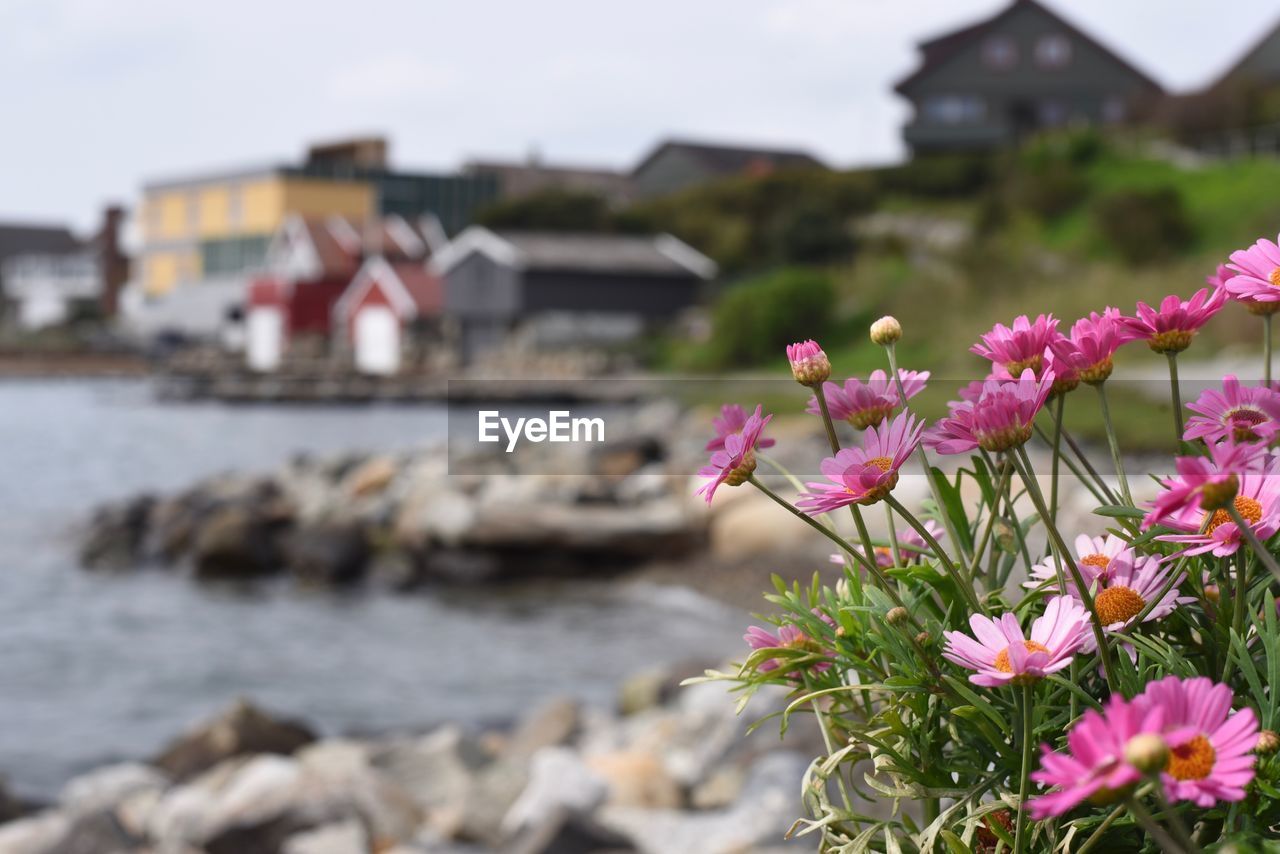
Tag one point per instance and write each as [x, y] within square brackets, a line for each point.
[1216, 495]
[923, 638]
[743, 472]
[885, 331]
[809, 365]
[1147, 752]
[1212, 593]
[897, 616]
[1268, 743]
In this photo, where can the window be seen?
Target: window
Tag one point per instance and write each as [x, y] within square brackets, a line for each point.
[955, 109]
[1053, 51]
[1000, 53]
[1053, 113]
[1114, 110]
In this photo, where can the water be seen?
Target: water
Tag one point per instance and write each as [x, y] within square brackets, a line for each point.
[96, 667]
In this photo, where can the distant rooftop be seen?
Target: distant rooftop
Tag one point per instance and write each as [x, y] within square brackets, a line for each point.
[732, 159]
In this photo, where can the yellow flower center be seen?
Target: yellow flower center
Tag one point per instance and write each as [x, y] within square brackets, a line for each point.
[882, 463]
[1002, 658]
[1274, 278]
[1249, 509]
[1191, 761]
[1100, 561]
[1118, 604]
[1035, 362]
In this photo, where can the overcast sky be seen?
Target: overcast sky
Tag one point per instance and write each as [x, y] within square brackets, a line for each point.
[100, 95]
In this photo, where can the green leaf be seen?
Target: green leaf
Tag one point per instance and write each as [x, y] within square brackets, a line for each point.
[953, 507]
[954, 843]
[1119, 511]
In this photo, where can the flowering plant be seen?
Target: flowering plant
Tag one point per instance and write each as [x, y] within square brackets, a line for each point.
[984, 676]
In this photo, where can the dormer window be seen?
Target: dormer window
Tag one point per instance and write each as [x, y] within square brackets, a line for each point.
[1000, 53]
[1053, 51]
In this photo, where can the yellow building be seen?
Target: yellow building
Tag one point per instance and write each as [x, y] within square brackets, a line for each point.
[219, 225]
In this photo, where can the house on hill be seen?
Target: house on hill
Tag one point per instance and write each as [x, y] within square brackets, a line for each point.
[549, 291]
[1024, 70]
[678, 164]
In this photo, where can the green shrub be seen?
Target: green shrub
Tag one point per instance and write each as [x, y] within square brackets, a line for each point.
[1051, 190]
[753, 321]
[946, 176]
[1144, 226]
[550, 210]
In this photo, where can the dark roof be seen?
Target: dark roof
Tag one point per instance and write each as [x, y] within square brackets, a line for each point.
[1254, 50]
[612, 253]
[20, 239]
[730, 159]
[937, 50]
[522, 179]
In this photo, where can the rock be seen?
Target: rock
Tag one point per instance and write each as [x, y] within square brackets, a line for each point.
[434, 515]
[719, 790]
[559, 783]
[752, 525]
[553, 723]
[11, 806]
[394, 570]
[569, 832]
[371, 477]
[437, 771]
[346, 837]
[115, 534]
[98, 833]
[760, 816]
[496, 788]
[327, 554]
[108, 788]
[241, 729]
[641, 691]
[637, 779]
[236, 542]
[37, 834]
[343, 769]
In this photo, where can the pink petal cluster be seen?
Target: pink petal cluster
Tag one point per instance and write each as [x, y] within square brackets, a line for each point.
[1092, 343]
[1203, 481]
[788, 637]
[809, 364]
[1019, 347]
[732, 419]
[1242, 413]
[867, 474]
[998, 418]
[1170, 328]
[1257, 269]
[1258, 503]
[867, 404]
[734, 463]
[1096, 558]
[1002, 655]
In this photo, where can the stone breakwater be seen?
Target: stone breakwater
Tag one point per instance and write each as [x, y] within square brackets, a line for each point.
[669, 771]
[404, 519]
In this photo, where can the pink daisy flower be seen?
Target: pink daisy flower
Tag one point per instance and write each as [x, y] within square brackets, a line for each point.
[1205, 480]
[867, 404]
[1002, 655]
[911, 546]
[1131, 582]
[809, 364]
[1171, 328]
[1095, 557]
[731, 420]
[788, 637]
[736, 461]
[1093, 767]
[999, 419]
[1210, 749]
[1257, 502]
[1257, 270]
[1018, 348]
[867, 474]
[1243, 413]
[1093, 341]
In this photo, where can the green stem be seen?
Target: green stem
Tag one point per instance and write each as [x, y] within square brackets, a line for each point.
[924, 458]
[1151, 826]
[1174, 820]
[1258, 548]
[1240, 586]
[1266, 348]
[826, 419]
[1114, 442]
[1058, 407]
[826, 740]
[893, 536]
[1028, 715]
[965, 586]
[1177, 398]
[1006, 471]
[1100, 829]
[1033, 490]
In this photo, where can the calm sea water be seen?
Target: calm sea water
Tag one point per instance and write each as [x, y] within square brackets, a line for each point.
[100, 667]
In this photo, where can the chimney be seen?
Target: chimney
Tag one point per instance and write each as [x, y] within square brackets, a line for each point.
[113, 264]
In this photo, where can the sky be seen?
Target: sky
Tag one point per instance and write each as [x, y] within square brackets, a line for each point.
[99, 96]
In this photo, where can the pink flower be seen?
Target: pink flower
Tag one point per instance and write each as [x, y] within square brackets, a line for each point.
[788, 637]
[1257, 502]
[1220, 277]
[1094, 340]
[867, 474]
[1258, 273]
[1171, 328]
[999, 419]
[911, 546]
[731, 420]
[809, 365]
[1130, 583]
[1095, 557]
[1205, 481]
[1093, 768]
[1244, 413]
[736, 461]
[867, 404]
[1210, 748]
[1003, 656]
[1018, 348]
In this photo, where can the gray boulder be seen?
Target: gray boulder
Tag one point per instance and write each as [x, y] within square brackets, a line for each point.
[240, 730]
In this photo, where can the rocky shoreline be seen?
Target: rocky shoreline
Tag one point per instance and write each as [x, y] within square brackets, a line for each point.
[669, 770]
